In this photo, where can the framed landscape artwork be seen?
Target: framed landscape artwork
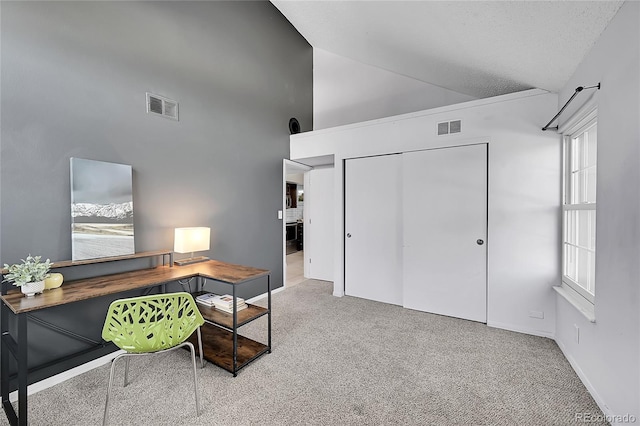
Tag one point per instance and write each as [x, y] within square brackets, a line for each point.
[101, 209]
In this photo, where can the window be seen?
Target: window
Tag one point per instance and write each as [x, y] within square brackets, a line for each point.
[579, 209]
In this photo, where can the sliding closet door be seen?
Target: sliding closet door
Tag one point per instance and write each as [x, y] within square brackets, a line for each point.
[445, 222]
[373, 237]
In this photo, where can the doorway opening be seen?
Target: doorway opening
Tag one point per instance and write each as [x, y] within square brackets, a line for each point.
[293, 222]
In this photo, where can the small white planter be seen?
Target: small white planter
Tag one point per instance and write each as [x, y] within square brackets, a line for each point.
[30, 289]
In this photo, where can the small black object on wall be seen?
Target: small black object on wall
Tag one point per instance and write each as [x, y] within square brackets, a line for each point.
[294, 126]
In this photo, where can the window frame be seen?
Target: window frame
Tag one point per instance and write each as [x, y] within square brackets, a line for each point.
[578, 125]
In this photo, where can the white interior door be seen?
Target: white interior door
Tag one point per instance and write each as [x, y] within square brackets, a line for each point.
[445, 226]
[318, 223]
[373, 223]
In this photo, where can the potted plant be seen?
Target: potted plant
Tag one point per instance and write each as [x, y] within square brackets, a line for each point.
[28, 275]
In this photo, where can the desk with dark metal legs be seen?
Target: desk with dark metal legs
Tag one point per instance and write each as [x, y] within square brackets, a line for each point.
[14, 302]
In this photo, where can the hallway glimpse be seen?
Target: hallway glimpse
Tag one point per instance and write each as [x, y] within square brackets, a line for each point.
[295, 268]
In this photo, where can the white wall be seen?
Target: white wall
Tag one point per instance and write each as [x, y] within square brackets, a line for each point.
[346, 91]
[607, 356]
[524, 192]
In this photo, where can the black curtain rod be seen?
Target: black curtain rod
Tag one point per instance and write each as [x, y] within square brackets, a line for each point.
[578, 90]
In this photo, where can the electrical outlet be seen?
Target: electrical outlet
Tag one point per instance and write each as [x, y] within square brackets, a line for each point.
[536, 314]
[577, 333]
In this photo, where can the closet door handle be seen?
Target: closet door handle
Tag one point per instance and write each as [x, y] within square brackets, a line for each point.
[480, 242]
[348, 235]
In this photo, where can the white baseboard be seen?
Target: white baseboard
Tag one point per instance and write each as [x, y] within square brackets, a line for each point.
[66, 375]
[263, 295]
[524, 330]
[583, 378]
[585, 381]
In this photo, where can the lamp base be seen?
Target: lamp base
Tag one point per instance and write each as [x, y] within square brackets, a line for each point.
[190, 260]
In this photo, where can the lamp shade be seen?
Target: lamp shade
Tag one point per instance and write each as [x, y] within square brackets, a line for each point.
[188, 240]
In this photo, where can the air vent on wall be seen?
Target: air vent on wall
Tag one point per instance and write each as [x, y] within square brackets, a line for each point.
[163, 106]
[447, 127]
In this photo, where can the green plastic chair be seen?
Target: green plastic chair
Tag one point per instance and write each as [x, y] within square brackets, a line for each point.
[151, 324]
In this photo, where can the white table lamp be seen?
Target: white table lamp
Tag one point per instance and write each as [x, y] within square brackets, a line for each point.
[189, 240]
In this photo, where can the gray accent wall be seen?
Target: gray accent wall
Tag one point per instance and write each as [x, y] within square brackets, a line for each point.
[73, 82]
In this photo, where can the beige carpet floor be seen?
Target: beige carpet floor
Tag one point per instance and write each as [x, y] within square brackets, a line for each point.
[342, 361]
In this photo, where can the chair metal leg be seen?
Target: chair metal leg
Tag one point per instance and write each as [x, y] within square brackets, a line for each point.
[126, 371]
[195, 377]
[200, 348]
[105, 419]
[192, 350]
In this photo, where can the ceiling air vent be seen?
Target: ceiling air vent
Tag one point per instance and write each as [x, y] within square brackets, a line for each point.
[448, 127]
[163, 106]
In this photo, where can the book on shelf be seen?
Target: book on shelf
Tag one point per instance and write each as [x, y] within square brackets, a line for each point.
[223, 302]
[226, 301]
[205, 299]
[230, 310]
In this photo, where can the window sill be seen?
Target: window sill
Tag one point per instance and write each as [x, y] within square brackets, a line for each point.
[583, 306]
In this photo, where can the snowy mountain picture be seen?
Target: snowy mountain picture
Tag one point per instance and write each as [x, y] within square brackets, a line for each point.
[101, 209]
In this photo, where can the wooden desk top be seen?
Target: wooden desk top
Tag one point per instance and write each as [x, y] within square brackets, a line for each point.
[88, 288]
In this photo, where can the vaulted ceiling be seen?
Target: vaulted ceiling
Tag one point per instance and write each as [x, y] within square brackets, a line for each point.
[479, 48]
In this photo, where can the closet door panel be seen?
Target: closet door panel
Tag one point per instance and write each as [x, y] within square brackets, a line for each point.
[444, 232]
[373, 219]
